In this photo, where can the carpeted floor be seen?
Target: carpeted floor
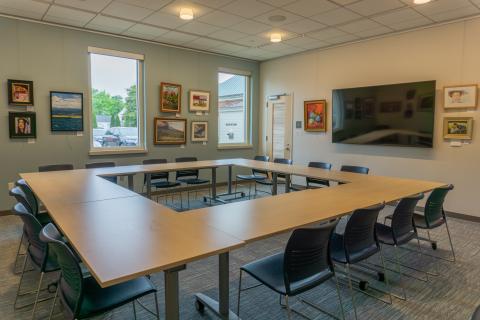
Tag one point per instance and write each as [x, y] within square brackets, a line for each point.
[452, 295]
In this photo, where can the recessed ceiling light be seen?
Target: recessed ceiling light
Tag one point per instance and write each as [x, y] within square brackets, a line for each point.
[275, 37]
[186, 13]
[421, 1]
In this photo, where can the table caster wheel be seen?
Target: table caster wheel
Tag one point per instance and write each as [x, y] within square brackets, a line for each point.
[52, 287]
[381, 276]
[434, 245]
[363, 285]
[199, 306]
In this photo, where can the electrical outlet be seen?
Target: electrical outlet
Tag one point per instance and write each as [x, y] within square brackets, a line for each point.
[10, 185]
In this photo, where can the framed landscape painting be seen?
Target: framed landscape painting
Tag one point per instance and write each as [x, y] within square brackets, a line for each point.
[170, 131]
[199, 131]
[170, 97]
[199, 101]
[22, 125]
[315, 115]
[20, 92]
[458, 128]
[464, 96]
[66, 111]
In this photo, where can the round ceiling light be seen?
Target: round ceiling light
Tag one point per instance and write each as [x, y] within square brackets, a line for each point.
[186, 13]
[275, 37]
[421, 1]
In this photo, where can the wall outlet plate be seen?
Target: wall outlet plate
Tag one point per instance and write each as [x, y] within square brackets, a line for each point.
[455, 143]
[298, 124]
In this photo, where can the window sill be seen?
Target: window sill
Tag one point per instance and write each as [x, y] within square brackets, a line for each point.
[101, 152]
[234, 146]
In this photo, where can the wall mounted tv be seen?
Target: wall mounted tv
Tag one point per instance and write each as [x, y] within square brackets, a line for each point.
[395, 115]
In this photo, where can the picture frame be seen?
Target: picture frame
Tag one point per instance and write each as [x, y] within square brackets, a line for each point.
[170, 131]
[199, 100]
[170, 97]
[460, 96]
[199, 131]
[315, 115]
[66, 111]
[458, 128]
[22, 125]
[20, 92]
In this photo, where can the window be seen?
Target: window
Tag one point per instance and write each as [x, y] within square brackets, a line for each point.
[233, 109]
[117, 113]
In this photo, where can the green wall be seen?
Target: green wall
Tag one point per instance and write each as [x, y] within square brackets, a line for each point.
[56, 59]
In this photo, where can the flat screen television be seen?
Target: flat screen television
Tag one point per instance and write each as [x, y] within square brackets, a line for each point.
[396, 115]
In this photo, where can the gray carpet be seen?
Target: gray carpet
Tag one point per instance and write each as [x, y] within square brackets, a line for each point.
[452, 295]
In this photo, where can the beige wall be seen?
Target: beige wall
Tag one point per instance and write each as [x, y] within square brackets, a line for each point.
[449, 54]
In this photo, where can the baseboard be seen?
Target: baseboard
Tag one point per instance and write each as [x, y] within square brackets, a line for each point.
[455, 215]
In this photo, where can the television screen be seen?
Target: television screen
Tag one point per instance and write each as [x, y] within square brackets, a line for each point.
[397, 114]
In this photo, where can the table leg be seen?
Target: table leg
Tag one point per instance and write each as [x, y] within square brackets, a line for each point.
[214, 183]
[229, 179]
[130, 182]
[172, 306]
[287, 183]
[274, 184]
[148, 177]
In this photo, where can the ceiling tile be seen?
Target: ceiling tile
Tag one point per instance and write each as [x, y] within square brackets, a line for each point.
[344, 2]
[253, 53]
[164, 20]
[455, 13]
[282, 48]
[174, 8]
[250, 27]
[252, 41]
[108, 24]
[68, 16]
[148, 4]
[204, 43]
[303, 26]
[336, 16]
[145, 32]
[126, 11]
[175, 37]
[228, 48]
[326, 34]
[89, 5]
[441, 10]
[369, 7]
[213, 3]
[197, 27]
[220, 19]
[247, 8]
[24, 8]
[306, 43]
[402, 19]
[373, 32]
[271, 18]
[277, 3]
[342, 39]
[308, 8]
[359, 25]
[227, 35]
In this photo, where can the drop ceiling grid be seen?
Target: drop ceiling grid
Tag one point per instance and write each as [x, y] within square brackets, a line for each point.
[242, 27]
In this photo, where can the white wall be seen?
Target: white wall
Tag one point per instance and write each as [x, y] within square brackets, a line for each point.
[449, 54]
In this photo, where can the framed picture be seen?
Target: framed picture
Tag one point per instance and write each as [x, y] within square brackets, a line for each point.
[170, 97]
[66, 111]
[20, 92]
[464, 96]
[199, 131]
[315, 115]
[170, 131]
[22, 125]
[458, 128]
[199, 101]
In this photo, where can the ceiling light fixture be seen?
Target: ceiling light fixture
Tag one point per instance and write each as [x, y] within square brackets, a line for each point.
[275, 37]
[421, 1]
[186, 13]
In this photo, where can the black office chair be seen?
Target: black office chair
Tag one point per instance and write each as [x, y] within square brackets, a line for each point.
[355, 169]
[55, 167]
[318, 183]
[190, 177]
[304, 265]
[358, 243]
[160, 180]
[280, 176]
[81, 296]
[103, 165]
[257, 175]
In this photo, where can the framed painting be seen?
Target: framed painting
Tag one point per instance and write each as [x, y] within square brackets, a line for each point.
[315, 115]
[170, 97]
[458, 128]
[20, 92]
[464, 96]
[22, 125]
[199, 131]
[66, 111]
[199, 101]
[170, 131]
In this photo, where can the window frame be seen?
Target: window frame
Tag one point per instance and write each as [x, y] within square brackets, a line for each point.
[141, 114]
[248, 110]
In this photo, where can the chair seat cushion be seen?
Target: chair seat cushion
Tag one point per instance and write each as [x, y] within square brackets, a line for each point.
[252, 177]
[269, 271]
[337, 251]
[385, 235]
[193, 181]
[165, 184]
[419, 222]
[269, 182]
[98, 300]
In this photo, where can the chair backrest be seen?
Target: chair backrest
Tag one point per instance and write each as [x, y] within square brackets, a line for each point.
[434, 206]
[355, 169]
[29, 195]
[186, 173]
[320, 165]
[360, 238]
[261, 172]
[283, 161]
[70, 287]
[403, 215]
[159, 175]
[99, 165]
[307, 254]
[21, 197]
[55, 167]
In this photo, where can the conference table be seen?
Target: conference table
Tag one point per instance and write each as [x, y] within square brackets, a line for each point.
[121, 235]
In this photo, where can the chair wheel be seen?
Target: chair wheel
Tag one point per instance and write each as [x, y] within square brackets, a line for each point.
[204, 199]
[381, 276]
[52, 287]
[363, 285]
[199, 306]
[243, 194]
[434, 245]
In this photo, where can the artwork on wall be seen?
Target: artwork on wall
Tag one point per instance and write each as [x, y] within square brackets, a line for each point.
[66, 111]
[199, 131]
[464, 96]
[22, 125]
[458, 128]
[170, 131]
[315, 115]
[20, 92]
[170, 97]
[199, 101]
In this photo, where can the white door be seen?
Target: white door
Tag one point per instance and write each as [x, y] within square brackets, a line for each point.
[280, 127]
